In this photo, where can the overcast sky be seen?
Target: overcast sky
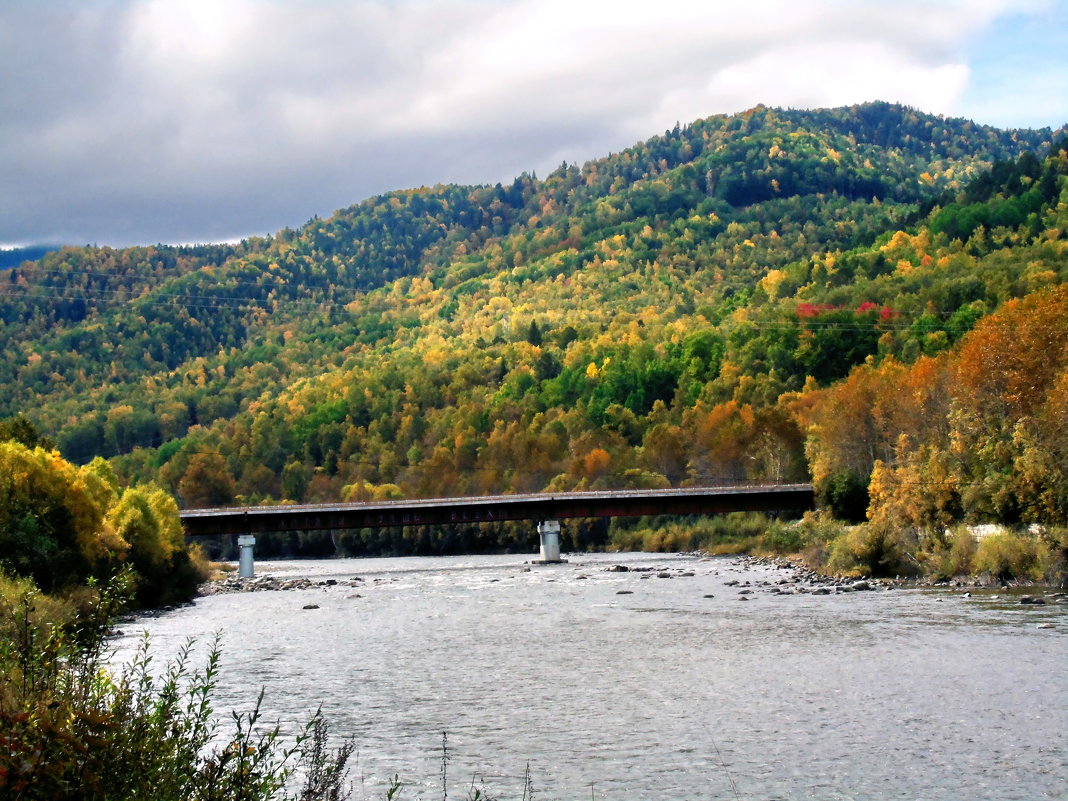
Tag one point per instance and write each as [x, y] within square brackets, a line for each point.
[143, 121]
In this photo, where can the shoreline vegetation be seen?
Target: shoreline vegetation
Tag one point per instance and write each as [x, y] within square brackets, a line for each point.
[832, 548]
[73, 726]
[985, 555]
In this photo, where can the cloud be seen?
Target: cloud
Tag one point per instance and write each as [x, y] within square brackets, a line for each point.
[178, 120]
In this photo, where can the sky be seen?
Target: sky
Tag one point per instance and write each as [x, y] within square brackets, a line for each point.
[141, 121]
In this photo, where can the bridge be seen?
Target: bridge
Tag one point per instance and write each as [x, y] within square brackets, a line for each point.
[547, 508]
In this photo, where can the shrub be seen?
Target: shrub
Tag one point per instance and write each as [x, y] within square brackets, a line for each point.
[1056, 540]
[732, 533]
[783, 538]
[871, 549]
[42, 613]
[958, 560]
[70, 728]
[818, 531]
[1012, 556]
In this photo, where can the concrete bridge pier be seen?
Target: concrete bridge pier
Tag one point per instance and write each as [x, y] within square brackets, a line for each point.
[245, 566]
[549, 531]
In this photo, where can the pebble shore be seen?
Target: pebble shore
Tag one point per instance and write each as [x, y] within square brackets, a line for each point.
[777, 576]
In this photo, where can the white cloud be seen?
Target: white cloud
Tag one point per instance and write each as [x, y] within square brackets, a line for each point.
[171, 119]
[838, 73]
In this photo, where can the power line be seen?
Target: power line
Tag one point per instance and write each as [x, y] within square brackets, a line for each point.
[48, 293]
[177, 277]
[53, 293]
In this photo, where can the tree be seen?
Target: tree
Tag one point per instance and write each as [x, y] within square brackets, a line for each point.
[534, 334]
[295, 478]
[206, 481]
[1008, 394]
[52, 526]
[21, 430]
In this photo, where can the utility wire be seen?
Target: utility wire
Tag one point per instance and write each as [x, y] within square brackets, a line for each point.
[50, 293]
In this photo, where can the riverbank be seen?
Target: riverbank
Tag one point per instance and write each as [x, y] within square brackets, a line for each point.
[789, 576]
[829, 547]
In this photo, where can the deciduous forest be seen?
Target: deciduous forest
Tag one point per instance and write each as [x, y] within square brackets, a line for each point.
[871, 298]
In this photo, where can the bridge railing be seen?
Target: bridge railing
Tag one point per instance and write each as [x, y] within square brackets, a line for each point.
[739, 488]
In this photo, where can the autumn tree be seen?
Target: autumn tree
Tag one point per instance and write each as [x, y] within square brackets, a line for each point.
[51, 518]
[206, 481]
[1009, 394]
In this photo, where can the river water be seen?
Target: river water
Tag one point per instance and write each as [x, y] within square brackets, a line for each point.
[662, 693]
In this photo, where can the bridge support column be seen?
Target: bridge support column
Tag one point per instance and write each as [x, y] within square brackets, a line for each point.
[549, 531]
[245, 567]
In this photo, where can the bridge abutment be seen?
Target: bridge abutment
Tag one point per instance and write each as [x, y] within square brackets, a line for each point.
[549, 531]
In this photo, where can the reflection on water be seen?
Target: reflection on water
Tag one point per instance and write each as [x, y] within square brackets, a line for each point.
[659, 693]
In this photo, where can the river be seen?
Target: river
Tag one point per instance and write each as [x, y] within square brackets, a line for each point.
[630, 686]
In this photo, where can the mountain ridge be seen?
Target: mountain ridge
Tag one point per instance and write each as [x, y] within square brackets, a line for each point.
[553, 323]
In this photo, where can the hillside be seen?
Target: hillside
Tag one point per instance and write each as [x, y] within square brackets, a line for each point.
[664, 315]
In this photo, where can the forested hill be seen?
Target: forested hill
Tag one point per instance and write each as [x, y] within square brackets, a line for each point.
[672, 313]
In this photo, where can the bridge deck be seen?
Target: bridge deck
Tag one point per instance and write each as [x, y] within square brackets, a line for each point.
[484, 509]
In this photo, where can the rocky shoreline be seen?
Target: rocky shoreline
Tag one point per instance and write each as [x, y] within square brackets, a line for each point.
[233, 583]
[786, 578]
[806, 581]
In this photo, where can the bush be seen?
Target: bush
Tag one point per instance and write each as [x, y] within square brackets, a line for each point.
[783, 538]
[961, 553]
[817, 531]
[42, 613]
[872, 550]
[72, 729]
[1056, 540]
[1012, 556]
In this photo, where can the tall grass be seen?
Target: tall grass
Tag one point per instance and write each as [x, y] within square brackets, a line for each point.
[731, 533]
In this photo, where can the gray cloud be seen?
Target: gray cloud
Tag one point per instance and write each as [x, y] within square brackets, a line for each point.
[193, 120]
